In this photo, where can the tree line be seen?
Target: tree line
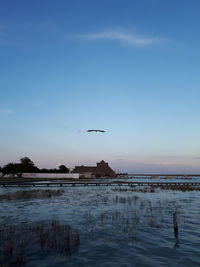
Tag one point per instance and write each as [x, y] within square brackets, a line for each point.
[26, 165]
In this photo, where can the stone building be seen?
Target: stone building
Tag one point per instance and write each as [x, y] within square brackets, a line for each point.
[102, 169]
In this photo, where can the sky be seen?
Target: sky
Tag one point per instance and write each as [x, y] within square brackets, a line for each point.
[129, 67]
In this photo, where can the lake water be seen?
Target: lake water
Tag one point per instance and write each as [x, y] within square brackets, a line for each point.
[116, 228]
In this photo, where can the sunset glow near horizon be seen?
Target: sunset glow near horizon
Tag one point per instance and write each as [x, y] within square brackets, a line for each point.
[130, 68]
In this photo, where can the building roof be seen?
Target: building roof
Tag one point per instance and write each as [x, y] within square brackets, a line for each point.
[101, 169]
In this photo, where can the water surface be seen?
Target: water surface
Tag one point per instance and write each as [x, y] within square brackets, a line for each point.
[120, 228]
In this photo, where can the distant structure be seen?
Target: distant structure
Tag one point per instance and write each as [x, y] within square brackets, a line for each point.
[102, 169]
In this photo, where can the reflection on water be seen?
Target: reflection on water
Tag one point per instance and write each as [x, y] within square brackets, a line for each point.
[121, 228]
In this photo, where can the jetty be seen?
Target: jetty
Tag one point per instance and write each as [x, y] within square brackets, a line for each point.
[79, 184]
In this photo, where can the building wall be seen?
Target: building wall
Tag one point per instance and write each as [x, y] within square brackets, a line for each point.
[51, 175]
[87, 175]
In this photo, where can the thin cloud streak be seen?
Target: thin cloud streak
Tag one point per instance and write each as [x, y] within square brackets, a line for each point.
[123, 37]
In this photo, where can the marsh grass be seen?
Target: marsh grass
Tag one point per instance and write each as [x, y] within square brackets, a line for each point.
[182, 188]
[17, 242]
[128, 215]
[143, 190]
[152, 188]
[31, 194]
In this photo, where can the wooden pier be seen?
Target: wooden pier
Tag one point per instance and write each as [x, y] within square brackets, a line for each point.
[79, 184]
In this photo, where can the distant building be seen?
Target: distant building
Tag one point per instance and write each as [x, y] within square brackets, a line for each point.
[101, 170]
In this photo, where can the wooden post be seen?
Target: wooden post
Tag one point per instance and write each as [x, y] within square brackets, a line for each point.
[175, 224]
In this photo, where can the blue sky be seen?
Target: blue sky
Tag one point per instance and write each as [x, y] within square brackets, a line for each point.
[128, 67]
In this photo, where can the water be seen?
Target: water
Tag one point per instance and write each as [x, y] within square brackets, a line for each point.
[116, 228]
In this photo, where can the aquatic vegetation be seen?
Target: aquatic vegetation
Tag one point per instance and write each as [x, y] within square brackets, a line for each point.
[125, 199]
[135, 189]
[30, 194]
[129, 214]
[19, 241]
[152, 188]
[183, 188]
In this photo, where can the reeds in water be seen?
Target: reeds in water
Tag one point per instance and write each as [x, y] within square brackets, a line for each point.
[182, 188]
[143, 190]
[31, 194]
[17, 242]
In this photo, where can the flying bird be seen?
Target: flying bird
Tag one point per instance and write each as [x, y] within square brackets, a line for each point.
[101, 131]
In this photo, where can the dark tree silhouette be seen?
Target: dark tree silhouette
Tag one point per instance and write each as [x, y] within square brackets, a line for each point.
[27, 165]
[26, 161]
[12, 169]
[63, 169]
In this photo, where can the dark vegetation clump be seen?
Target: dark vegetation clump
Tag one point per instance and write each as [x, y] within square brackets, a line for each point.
[26, 165]
[183, 188]
[143, 190]
[18, 242]
[30, 194]
[125, 199]
[152, 188]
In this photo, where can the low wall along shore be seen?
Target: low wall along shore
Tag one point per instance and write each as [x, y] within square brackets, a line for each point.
[51, 175]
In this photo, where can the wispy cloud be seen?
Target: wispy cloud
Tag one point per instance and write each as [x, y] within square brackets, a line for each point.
[6, 111]
[125, 37]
